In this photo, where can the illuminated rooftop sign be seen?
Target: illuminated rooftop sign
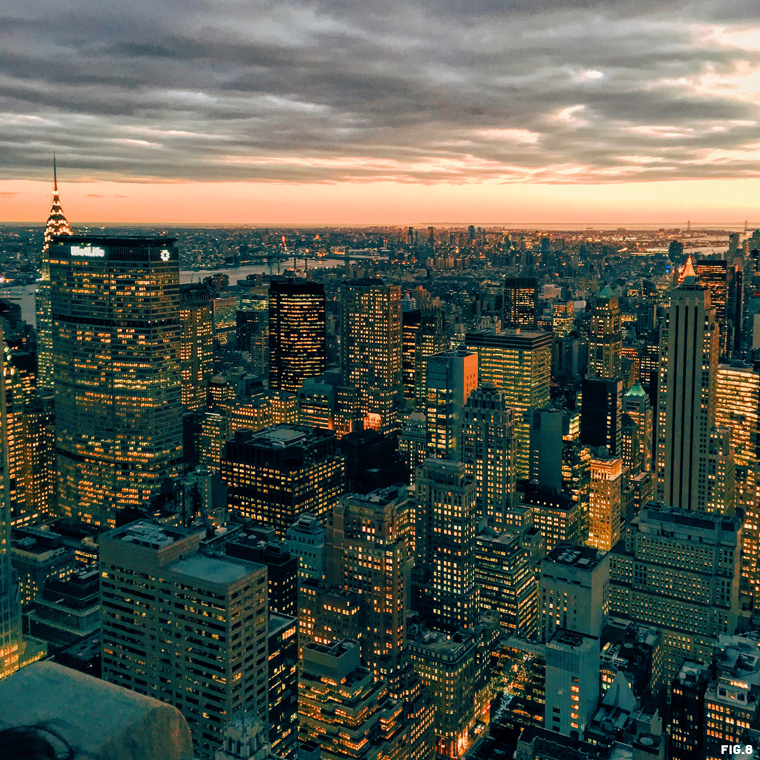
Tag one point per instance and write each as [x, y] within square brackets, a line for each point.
[91, 252]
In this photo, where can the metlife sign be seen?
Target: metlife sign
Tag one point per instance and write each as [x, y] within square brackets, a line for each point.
[89, 251]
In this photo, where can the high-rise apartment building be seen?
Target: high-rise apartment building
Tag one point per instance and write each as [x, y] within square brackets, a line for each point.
[344, 711]
[277, 474]
[367, 555]
[56, 225]
[10, 611]
[605, 340]
[488, 451]
[39, 459]
[296, 332]
[687, 709]
[558, 459]
[197, 345]
[605, 502]
[636, 405]
[19, 382]
[505, 570]
[737, 409]
[602, 413]
[115, 307]
[686, 395]
[678, 569]
[184, 628]
[446, 524]
[519, 363]
[422, 335]
[558, 518]
[715, 275]
[446, 665]
[574, 591]
[721, 473]
[305, 539]
[371, 350]
[572, 681]
[451, 376]
[731, 706]
[520, 302]
[252, 323]
[282, 658]
[563, 318]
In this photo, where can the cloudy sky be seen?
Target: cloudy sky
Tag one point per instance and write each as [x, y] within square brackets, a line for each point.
[381, 110]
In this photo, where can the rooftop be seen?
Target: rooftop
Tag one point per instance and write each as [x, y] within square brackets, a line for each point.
[282, 436]
[213, 569]
[563, 639]
[584, 557]
[150, 535]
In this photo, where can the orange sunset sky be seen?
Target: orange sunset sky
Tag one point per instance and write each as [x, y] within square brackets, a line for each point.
[390, 112]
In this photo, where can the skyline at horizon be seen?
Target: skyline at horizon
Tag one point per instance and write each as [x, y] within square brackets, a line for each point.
[157, 204]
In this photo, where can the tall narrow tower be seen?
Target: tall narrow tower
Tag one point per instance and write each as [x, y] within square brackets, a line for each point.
[56, 225]
[9, 609]
[15, 652]
[605, 336]
[686, 395]
[370, 350]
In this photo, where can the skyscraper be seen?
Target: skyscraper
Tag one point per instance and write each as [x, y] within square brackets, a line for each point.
[738, 409]
[679, 571]
[173, 639]
[197, 345]
[344, 711]
[116, 339]
[605, 501]
[296, 332]
[574, 591]
[56, 225]
[423, 336]
[558, 459]
[275, 475]
[367, 555]
[370, 350]
[488, 451]
[450, 378]
[10, 612]
[520, 302]
[636, 405]
[605, 340]
[686, 395]
[602, 413]
[714, 274]
[519, 363]
[445, 540]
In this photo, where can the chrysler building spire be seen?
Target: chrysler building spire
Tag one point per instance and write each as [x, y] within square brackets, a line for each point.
[56, 225]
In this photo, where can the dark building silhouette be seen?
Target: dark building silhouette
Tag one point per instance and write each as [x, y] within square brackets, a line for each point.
[602, 413]
[296, 332]
[520, 301]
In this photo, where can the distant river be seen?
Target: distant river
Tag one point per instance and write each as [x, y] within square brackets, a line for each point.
[24, 294]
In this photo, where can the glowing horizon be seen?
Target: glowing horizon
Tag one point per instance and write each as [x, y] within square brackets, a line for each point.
[703, 202]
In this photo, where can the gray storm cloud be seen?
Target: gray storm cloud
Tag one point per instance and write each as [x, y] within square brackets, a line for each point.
[539, 91]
